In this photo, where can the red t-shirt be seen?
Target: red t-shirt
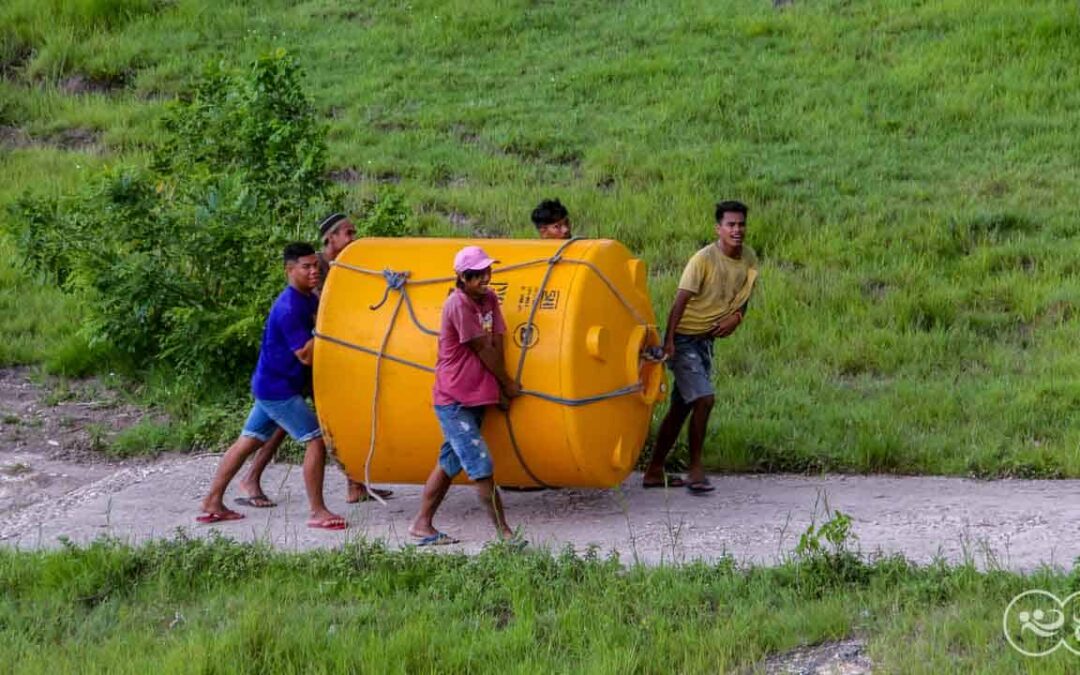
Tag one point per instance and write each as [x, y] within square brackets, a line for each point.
[460, 375]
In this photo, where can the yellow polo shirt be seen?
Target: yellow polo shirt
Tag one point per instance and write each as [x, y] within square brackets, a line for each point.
[716, 281]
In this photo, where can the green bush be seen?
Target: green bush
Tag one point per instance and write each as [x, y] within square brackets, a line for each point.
[179, 261]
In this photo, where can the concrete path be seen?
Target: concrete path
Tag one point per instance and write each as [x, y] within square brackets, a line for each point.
[1013, 524]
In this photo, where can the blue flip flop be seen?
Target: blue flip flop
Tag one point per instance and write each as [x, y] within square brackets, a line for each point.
[437, 539]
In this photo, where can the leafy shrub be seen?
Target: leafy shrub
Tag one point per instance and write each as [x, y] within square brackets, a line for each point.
[385, 214]
[180, 261]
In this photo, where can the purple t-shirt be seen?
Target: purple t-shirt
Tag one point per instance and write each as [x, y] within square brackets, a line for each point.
[279, 374]
[460, 375]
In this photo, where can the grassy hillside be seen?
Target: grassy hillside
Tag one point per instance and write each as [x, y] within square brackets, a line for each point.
[910, 166]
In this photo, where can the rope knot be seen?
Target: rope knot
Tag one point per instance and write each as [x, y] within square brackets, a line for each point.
[395, 281]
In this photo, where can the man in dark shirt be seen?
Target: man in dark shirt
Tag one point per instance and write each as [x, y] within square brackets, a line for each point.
[336, 232]
[281, 378]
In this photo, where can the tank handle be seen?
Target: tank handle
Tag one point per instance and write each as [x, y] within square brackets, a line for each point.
[649, 372]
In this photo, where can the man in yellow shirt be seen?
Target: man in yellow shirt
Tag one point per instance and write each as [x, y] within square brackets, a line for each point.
[710, 303]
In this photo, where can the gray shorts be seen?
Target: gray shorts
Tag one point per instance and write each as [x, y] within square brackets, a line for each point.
[691, 366]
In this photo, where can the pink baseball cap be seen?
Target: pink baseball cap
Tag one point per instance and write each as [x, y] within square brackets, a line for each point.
[472, 258]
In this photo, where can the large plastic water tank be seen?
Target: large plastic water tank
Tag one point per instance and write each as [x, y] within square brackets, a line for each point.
[579, 311]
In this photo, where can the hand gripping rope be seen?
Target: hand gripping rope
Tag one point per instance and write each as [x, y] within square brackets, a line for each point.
[399, 281]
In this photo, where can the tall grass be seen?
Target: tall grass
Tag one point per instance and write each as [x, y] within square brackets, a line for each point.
[198, 606]
[909, 166]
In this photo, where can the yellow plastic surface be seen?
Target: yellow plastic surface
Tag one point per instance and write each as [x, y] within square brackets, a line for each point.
[584, 342]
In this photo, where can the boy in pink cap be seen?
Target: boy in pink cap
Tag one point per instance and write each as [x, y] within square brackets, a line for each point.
[470, 375]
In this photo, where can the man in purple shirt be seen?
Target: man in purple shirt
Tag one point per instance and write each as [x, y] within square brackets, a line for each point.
[282, 376]
[470, 375]
[337, 232]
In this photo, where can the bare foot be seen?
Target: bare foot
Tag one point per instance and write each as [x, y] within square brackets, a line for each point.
[251, 489]
[211, 517]
[326, 520]
[358, 492]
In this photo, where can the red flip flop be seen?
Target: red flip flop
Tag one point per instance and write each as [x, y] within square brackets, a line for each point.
[211, 518]
[335, 523]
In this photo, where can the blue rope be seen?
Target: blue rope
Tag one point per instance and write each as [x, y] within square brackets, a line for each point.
[395, 281]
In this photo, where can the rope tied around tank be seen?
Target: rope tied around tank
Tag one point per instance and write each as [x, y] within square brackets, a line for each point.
[395, 281]
[398, 281]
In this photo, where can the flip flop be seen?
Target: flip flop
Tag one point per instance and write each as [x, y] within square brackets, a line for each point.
[669, 481]
[437, 539]
[332, 523]
[259, 501]
[700, 487]
[211, 518]
[366, 497]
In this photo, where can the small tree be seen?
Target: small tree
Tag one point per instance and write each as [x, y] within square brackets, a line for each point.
[179, 261]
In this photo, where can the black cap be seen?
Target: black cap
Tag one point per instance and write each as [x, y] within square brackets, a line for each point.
[329, 222]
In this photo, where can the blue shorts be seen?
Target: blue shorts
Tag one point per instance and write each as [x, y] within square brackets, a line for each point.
[464, 447]
[691, 367]
[291, 414]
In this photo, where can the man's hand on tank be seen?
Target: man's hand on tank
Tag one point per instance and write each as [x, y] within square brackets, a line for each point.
[669, 349]
[511, 389]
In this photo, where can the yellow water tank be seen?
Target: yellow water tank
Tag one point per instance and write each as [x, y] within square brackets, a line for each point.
[590, 390]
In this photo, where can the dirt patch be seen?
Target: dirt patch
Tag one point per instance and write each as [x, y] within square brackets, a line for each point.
[52, 436]
[13, 138]
[874, 289]
[352, 176]
[452, 182]
[1056, 313]
[346, 176]
[788, 265]
[469, 226]
[76, 139]
[847, 657]
[80, 84]
[350, 15]
[459, 220]
[15, 61]
[529, 152]
[60, 420]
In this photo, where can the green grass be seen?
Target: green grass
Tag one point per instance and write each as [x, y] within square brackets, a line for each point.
[197, 606]
[910, 166]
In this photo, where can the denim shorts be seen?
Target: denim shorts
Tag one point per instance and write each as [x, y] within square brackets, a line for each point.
[464, 447]
[691, 367]
[291, 414]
